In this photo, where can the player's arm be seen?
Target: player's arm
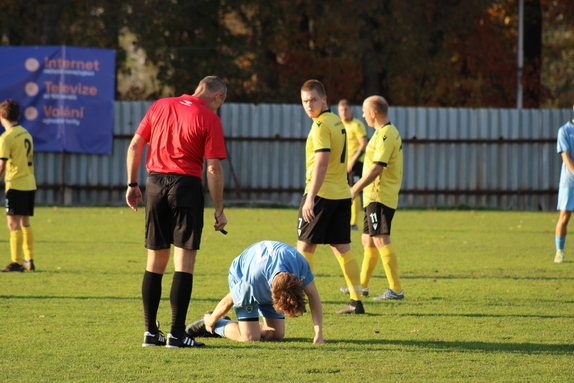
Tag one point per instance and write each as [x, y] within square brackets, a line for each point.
[373, 172]
[3, 162]
[215, 184]
[221, 309]
[316, 311]
[317, 178]
[133, 159]
[567, 161]
[363, 141]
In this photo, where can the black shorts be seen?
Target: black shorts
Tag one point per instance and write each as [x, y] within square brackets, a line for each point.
[378, 218]
[174, 211]
[20, 202]
[331, 223]
[356, 173]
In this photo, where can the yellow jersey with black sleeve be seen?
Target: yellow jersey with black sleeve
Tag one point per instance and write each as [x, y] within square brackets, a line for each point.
[328, 135]
[384, 148]
[355, 131]
[17, 148]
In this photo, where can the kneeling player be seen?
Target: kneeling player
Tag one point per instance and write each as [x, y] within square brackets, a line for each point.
[269, 279]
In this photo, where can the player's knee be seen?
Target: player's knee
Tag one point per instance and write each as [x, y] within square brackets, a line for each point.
[277, 336]
[250, 337]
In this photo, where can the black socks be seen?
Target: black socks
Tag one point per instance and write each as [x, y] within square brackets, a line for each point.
[179, 298]
[151, 295]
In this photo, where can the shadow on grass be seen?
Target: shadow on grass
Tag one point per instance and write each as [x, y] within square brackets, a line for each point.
[481, 275]
[525, 348]
[138, 298]
[439, 277]
[478, 315]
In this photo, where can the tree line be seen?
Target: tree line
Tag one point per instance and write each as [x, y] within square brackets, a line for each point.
[450, 53]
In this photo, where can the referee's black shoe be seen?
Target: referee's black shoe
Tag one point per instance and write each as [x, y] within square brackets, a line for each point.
[183, 341]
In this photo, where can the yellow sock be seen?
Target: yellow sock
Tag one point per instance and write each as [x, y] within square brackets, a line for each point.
[356, 211]
[16, 240]
[28, 243]
[310, 257]
[391, 264]
[352, 274]
[370, 260]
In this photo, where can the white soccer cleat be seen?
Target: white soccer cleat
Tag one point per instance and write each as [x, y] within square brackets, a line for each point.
[559, 258]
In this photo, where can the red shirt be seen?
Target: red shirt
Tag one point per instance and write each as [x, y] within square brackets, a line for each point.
[181, 132]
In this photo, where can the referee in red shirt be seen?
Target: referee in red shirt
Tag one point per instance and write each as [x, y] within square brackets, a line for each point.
[180, 132]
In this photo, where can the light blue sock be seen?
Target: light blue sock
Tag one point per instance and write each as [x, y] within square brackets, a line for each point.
[219, 327]
[560, 241]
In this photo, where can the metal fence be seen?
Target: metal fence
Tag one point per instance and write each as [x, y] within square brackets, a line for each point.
[493, 158]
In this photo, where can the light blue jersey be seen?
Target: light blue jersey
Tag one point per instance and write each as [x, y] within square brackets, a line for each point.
[252, 272]
[565, 143]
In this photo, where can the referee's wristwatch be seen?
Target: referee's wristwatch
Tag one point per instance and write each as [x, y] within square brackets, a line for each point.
[133, 185]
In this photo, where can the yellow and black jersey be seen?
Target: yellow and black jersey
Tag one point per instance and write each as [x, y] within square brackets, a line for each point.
[355, 131]
[385, 148]
[17, 148]
[328, 135]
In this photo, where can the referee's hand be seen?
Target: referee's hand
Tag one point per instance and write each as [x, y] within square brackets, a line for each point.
[220, 221]
[133, 197]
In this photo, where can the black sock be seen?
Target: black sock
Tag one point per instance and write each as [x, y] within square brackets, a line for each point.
[179, 298]
[151, 295]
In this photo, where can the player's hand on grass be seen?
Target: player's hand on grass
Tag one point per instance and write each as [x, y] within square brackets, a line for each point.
[133, 197]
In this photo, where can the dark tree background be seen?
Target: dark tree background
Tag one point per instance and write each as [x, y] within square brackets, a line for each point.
[456, 53]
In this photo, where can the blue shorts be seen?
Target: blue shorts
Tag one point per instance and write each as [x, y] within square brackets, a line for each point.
[565, 199]
[252, 312]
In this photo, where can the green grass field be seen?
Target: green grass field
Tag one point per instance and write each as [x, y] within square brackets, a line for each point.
[483, 302]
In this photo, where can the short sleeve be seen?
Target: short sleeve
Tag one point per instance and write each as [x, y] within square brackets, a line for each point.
[321, 136]
[215, 143]
[384, 149]
[4, 149]
[361, 130]
[144, 128]
[562, 144]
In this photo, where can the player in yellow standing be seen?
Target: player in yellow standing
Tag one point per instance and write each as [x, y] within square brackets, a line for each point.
[380, 183]
[17, 163]
[325, 210]
[356, 144]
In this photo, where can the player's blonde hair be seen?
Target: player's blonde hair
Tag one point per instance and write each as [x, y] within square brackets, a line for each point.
[288, 295]
[311, 85]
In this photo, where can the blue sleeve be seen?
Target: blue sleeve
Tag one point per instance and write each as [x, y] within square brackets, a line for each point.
[562, 144]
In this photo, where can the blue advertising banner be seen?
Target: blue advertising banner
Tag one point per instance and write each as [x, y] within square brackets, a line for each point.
[66, 95]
